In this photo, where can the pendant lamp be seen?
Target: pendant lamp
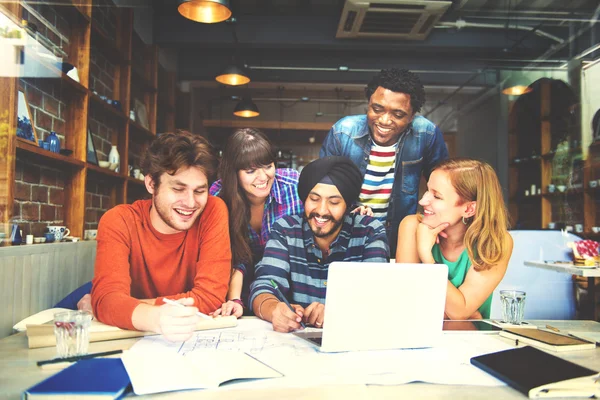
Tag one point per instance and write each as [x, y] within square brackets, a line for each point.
[205, 11]
[246, 108]
[233, 76]
[516, 85]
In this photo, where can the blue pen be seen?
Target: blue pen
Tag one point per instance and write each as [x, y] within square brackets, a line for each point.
[282, 298]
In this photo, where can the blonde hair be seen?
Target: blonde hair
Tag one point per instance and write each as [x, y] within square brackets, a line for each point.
[477, 181]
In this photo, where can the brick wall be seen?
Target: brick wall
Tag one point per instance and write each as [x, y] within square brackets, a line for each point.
[97, 200]
[53, 17]
[39, 197]
[102, 73]
[102, 131]
[105, 17]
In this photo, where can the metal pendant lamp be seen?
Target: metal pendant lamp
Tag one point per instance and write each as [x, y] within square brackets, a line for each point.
[516, 85]
[233, 75]
[246, 108]
[205, 11]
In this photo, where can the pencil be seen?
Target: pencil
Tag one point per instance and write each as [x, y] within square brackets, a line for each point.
[77, 358]
[552, 328]
[174, 303]
[282, 298]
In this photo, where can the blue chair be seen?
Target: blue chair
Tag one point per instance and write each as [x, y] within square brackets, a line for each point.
[70, 301]
[550, 294]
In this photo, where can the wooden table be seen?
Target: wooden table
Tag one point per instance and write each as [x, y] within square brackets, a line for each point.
[589, 273]
[18, 371]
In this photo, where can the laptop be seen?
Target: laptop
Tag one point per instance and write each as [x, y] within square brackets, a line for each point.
[376, 306]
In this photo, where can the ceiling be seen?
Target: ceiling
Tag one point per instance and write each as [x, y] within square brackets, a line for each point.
[295, 41]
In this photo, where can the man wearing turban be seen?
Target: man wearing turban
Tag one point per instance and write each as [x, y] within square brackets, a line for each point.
[301, 247]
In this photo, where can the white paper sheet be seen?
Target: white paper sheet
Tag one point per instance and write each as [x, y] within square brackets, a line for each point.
[164, 371]
[303, 365]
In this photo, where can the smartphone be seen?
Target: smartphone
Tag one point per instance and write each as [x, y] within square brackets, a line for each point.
[470, 326]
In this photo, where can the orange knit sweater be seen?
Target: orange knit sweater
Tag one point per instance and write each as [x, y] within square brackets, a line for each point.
[134, 261]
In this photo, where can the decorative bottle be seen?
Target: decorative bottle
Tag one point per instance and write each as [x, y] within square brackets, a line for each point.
[53, 142]
[113, 157]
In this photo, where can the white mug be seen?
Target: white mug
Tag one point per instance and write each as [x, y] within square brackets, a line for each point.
[59, 231]
[90, 234]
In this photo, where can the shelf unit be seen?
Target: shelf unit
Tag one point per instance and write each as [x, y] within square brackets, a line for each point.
[535, 157]
[130, 76]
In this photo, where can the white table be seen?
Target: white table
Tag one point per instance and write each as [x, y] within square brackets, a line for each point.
[18, 371]
[590, 273]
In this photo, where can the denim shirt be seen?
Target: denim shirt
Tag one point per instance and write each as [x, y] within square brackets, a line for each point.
[420, 147]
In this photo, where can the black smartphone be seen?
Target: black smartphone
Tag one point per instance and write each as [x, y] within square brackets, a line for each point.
[470, 325]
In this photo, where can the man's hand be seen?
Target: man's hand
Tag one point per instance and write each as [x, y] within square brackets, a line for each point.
[314, 314]
[85, 304]
[284, 320]
[229, 308]
[177, 323]
[363, 210]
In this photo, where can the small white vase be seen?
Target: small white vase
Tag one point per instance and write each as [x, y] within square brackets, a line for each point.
[114, 158]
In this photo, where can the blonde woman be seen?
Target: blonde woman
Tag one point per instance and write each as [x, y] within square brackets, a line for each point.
[465, 226]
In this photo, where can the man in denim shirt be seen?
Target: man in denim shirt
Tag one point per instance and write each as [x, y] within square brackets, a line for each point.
[390, 145]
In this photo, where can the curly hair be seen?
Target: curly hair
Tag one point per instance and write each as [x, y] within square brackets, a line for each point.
[170, 152]
[401, 81]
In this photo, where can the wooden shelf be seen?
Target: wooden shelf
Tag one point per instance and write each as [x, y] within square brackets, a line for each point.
[71, 84]
[26, 147]
[138, 130]
[250, 123]
[135, 182]
[81, 104]
[105, 171]
[95, 99]
[107, 46]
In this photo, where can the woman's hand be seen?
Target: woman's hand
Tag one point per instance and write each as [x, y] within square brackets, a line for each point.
[229, 308]
[363, 210]
[426, 238]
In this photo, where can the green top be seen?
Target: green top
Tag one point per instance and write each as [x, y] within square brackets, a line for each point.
[457, 271]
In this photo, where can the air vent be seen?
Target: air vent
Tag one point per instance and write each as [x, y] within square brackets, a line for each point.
[390, 19]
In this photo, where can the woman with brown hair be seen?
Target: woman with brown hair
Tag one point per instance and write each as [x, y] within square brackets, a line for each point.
[465, 226]
[256, 194]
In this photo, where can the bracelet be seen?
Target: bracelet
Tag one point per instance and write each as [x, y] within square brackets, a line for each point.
[261, 304]
[238, 301]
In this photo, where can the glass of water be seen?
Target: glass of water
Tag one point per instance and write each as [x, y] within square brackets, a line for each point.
[513, 306]
[71, 329]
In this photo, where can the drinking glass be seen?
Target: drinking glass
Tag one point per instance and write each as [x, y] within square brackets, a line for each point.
[513, 306]
[71, 329]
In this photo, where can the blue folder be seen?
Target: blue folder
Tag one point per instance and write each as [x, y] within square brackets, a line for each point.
[96, 377]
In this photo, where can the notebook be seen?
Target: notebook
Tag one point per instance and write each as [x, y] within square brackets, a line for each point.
[539, 374]
[163, 371]
[376, 306]
[100, 378]
[547, 340]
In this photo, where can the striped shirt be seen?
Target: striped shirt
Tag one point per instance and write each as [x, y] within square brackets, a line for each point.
[296, 264]
[379, 179]
[283, 200]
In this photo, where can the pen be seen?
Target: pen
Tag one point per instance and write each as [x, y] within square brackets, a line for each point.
[282, 298]
[77, 358]
[174, 303]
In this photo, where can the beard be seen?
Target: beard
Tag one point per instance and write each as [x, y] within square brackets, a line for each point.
[321, 232]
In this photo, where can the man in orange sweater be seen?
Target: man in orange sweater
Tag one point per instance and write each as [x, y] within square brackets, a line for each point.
[175, 245]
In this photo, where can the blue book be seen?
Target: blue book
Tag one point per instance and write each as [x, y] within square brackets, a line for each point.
[102, 378]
